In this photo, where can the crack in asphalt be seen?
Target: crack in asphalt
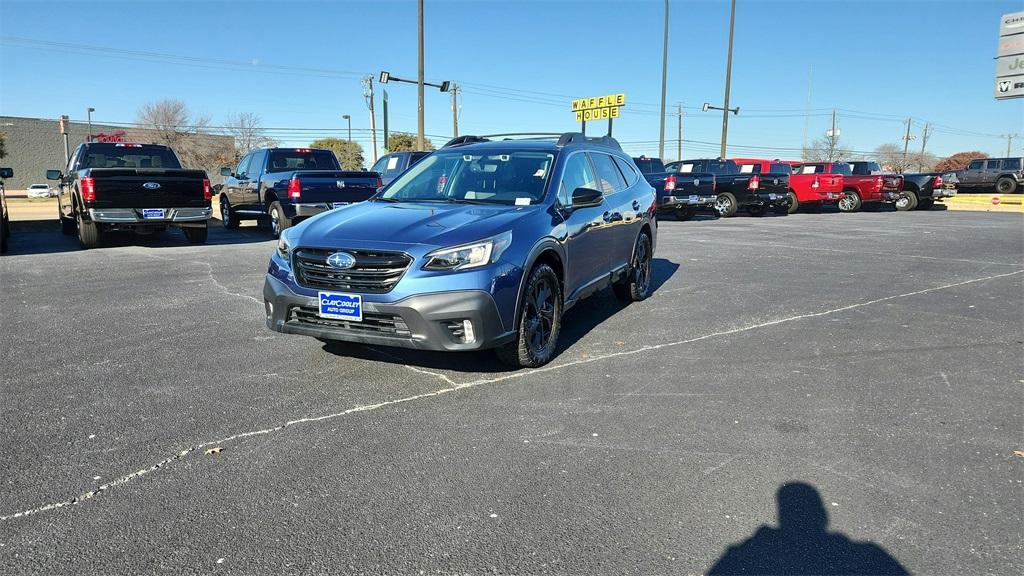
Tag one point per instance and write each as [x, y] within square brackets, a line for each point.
[455, 386]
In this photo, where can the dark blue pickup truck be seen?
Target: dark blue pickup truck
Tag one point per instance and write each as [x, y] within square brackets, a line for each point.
[682, 194]
[285, 185]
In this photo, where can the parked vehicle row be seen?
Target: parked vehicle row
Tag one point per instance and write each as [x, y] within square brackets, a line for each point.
[1004, 175]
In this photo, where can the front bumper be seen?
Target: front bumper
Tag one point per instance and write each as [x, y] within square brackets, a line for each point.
[689, 201]
[137, 216]
[423, 322]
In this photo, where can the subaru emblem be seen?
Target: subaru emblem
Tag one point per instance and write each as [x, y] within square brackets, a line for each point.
[340, 183]
[341, 260]
[151, 185]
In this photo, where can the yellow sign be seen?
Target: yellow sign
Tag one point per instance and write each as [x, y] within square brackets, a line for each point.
[599, 107]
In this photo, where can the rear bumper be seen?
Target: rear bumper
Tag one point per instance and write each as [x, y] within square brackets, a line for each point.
[830, 196]
[689, 201]
[304, 209]
[943, 193]
[772, 199]
[136, 216]
[424, 322]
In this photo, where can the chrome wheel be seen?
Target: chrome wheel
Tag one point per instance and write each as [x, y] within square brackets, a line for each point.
[275, 221]
[903, 202]
[723, 204]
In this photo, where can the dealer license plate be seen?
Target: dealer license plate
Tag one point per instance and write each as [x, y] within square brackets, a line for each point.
[153, 213]
[339, 306]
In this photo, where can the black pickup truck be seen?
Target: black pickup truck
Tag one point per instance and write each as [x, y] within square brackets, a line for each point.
[5, 221]
[285, 185]
[921, 191]
[681, 194]
[736, 189]
[127, 186]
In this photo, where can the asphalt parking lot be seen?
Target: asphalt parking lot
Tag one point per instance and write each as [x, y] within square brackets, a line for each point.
[874, 357]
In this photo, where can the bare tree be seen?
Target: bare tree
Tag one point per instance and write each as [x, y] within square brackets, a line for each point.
[891, 158]
[171, 123]
[247, 129]
[827, 149]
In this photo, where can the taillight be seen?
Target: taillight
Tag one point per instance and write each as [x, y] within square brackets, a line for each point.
[755, 182]
[88, 187]
[380, 183]
[880, 183]
[816, 184]
[294, 189]
[670, 184]
[207, 190]
[938, 182]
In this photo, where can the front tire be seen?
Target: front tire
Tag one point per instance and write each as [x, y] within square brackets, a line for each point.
[196, 235]
[539, 321]
[1006, 185]
[850, 202]
[757, 209]
[5, 231]
[279, 222]
[794, 204]
[227, 215]
[725, 205]
[636, 286]
[88, 233]
[67, 225]
[925, 203]
[685, 213]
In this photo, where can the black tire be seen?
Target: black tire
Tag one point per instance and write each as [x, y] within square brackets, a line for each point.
[685, 213]
[279, 222]
[925, 203]
[67, 225]
[196, 235]
[88, 233]
[1006, 185]
[757, 209]
[541, 307]
[636, 286]
[5, 231]
[907, 201]
[794, 204]
[726, 205]
[851, 202]
[871, 206]
[227, 215]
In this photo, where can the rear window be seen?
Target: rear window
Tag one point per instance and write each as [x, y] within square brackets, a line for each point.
[1011, 164]
[865, 168]
[128, 156]
[649, 165]
[720, 167]
[302, 159]
[780, 168]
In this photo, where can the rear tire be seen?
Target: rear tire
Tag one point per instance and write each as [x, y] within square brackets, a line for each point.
[1006, 185]
[636, 286]
[794, 204]
[227, 215]
[196, 235]
[539, 321]
[278, 221]
[684, 214]
[850, 202]
[906, 202]
[88, 233]
[725, 205]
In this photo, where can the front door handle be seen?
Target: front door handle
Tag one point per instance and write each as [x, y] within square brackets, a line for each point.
[636, 204]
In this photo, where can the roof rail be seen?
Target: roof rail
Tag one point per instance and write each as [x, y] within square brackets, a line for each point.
[580, 138]
[467, 139]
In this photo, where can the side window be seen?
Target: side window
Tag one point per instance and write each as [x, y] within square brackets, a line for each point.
[379, 166]
[992, 165]
[609, 178]
[243, 165]
[975, 165]
[576, 174]
[628, 172]
[73, 161]
[1011, 164]
[257, 161]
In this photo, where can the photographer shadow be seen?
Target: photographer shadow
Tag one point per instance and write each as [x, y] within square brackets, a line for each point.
[801, 544]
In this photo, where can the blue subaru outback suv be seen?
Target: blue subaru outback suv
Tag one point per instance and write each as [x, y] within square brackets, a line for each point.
[482, 244]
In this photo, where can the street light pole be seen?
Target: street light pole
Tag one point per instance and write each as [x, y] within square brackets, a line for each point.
[664, 77]
[349, 118]
[88, 112]
[679, 136]
[420, 136]
[455, 110]
[728, 78]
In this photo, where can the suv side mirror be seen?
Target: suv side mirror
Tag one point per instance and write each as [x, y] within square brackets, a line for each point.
[6, 172]
[225, 171]
[54, 175]
[583, 197]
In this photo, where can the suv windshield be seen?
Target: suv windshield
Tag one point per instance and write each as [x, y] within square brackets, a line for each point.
[512, 178]
[128, 156]
[302, 159]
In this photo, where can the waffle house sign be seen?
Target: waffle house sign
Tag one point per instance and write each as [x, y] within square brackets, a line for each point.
[598, 108]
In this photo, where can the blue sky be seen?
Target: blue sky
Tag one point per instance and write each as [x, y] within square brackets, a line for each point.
[520, 63]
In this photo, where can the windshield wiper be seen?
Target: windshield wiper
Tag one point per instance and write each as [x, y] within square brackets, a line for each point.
[382, 199]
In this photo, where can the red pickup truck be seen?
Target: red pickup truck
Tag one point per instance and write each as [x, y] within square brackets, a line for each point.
[864, 184]
[804, 189]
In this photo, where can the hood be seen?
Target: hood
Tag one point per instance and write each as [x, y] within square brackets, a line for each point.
[428, 223]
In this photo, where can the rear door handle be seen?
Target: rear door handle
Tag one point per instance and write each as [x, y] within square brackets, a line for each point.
[636, 204]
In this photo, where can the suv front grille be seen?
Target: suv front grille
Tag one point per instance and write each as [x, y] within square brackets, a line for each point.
[374, 324]
[375, 272]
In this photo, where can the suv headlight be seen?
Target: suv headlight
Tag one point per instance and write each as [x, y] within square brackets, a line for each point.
[468, 256]
[284, 244]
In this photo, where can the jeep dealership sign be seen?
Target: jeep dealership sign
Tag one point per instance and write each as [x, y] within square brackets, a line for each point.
[1010, 57]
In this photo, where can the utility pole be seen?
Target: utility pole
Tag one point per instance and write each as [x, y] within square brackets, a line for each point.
[368, 94]
[455, 110]
[349, 118]
[807, 114]
[924, 142]
[664, 78]
[679, 136]
[384, 99]
[1009, 141]
[64, 121]
[728, 78]
[89, 112]
[420, 136]
[906, 143]
[833, 138]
